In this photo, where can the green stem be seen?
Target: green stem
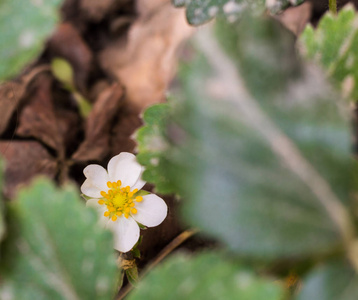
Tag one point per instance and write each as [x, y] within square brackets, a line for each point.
[332, 4]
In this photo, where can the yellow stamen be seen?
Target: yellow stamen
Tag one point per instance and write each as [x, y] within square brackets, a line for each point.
[119, 200]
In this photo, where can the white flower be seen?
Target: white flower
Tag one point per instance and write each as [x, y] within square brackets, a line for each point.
[114, 194]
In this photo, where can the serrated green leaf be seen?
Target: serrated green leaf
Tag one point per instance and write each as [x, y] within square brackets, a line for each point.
[55, 248]
[333, 45]
[332, 281]
[201, 11]
[150, 145]
[205, 276]
[24, 28]
[264, 165]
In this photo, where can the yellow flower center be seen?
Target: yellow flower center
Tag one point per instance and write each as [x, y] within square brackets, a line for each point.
[120, 201]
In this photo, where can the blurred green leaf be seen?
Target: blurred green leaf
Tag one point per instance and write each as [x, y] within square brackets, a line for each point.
[55, 248]
[63, 71]
[150, 146]
[24, 27]
[332, 281]
[201, 11]
[263, 162]
[205, 276]
[333, 45]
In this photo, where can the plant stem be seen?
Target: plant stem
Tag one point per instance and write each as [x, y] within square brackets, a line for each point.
[332, 4]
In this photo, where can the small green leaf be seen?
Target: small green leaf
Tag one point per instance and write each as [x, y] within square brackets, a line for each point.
[150, 145]
[205, 276]
[24, 27]
[201, 11]
[132, 275]
[55, 248]
[333, 45]
[332, 281]
[62, 70]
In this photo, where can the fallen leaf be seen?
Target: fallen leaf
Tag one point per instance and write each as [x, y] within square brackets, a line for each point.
[296, 18]
[145, 62]
[37, 117]
[98, 126]
[23, 161]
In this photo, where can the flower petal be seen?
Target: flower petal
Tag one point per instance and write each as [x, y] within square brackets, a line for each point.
[100, 209]
[90, 190]
[140, 182]
[97, 175]
[124, 167]
[126, 233]
[151, 211]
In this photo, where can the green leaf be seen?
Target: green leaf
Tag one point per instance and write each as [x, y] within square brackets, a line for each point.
[63, 71]
[263, 162]
[201, 11]
[24, 28]
[205, 276]
[332, 281]
[150, 145]
[333, 45]
[55, 248]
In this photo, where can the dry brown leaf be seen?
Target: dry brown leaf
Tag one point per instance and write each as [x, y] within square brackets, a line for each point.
[37, 118]
[128, 122]
[10, 95]
[23, 161]
[99, 123]
[147, 63]
[296, 18]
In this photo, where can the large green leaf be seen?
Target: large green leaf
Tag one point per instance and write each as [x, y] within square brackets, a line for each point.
[201, 11]
[24, 26]
[205, 276]
[333, 281]
[262, 159]
[333, 44]
[55, 248]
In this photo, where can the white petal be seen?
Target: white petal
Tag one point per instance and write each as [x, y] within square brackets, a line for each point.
[90, 190]
[124, 167]
[126, 233]
[100, 209]
[151, 211]
[97, 175]
[140, 182]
